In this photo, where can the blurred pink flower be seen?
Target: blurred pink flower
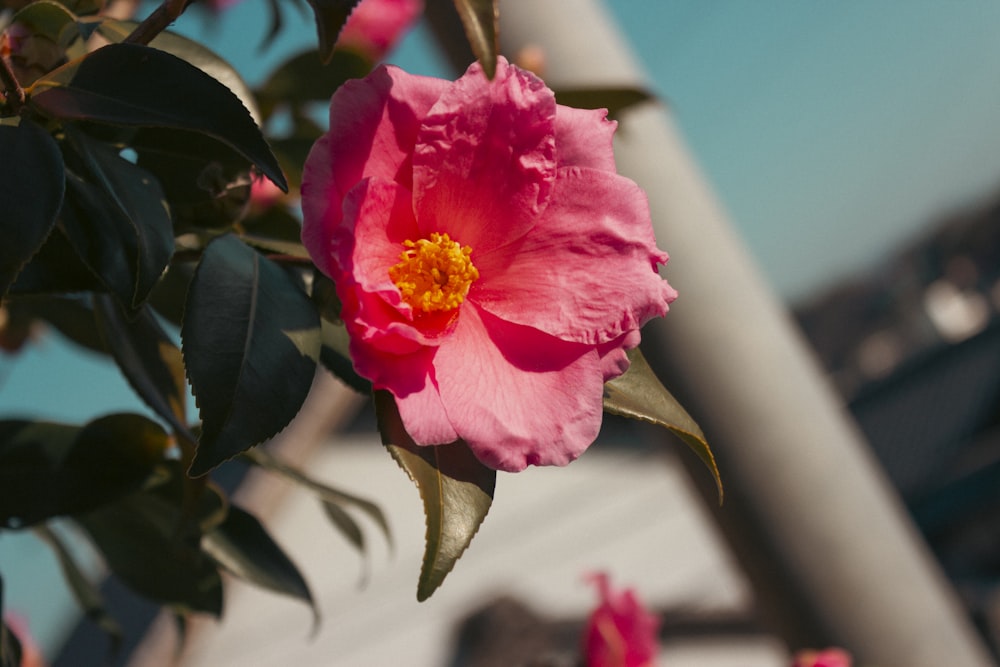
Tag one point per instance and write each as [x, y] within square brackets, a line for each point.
[31, 655]
[264, 194]
[620, 632]
[831, 657]
[492, 266]
[375, 26]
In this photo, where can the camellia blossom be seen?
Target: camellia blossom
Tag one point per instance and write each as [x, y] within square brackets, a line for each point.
[620, 632]
[492, 267]
[831, 657]
[374, 27]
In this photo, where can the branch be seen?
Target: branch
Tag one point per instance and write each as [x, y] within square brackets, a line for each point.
[157, 22]
[12, 87]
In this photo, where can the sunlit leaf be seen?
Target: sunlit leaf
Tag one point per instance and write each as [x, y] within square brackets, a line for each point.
[151, 544]
[241, 545]
[615, 100]
[31, 193]
[331, 15]
[148, 359]
[51, 20]
[86, 593]
[49, 469]
[118, 222]
[139, 86]
[251, 339]
[455, 487]
[639, 394]
[480, 18]
[327, 493]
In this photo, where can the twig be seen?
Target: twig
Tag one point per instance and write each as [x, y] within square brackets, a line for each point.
[12, 87]
[157, 22]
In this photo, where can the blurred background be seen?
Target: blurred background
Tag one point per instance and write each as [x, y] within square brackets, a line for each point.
[855, 147]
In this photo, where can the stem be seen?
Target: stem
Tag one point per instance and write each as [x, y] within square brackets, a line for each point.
[157, 22]
[12, 87]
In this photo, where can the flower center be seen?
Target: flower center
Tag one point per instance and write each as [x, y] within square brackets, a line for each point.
[434, 274]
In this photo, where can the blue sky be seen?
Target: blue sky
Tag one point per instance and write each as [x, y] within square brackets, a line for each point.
[831, 131]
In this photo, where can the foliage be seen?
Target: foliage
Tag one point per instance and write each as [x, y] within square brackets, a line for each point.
[130, 158]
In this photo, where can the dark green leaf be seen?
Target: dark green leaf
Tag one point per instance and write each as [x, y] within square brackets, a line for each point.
[148, 359]
[276, 230]
[251, 339]
[84, 591]
[168, 297]
[455, 487]
[193, 52]
[350, 529]
[49, 469]
[71, 316]
[304, 78]
[206, 183]
[336, 358]
[328, 494]
[615, 100]
[241, 545]
[480, 18]
[119, 222]
[49, 20]
[56, 269]
[31, 192]
[139, 86]
[153, 547]
[331, 15]
[639, 394]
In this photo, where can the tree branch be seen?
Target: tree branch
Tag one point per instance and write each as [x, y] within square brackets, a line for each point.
[157, 22]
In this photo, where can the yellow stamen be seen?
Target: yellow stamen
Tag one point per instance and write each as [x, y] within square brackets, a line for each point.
[434, 274]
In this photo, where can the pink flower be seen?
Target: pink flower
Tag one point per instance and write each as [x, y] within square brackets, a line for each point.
[831, 657]
[375, 26]
[492, 266]
[620, 632]
[31, 655]
[264, 194]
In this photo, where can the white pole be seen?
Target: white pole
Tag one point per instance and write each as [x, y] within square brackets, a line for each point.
[795, 465]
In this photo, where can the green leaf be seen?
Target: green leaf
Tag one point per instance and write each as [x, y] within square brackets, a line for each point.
[69, 315]
[277, 231]
[241, 545]
[31, 192]
[49, 469]
[56, 269]
[335, 355]
[639, 394]
[455, 487]
[350, 529]
[206, 183]
[328, 494]
[331, 15]
[615, 100]
[152, 545]
[139, 86]
[118, 221]
[148, 359]
[304, 78]
[50, 20]
[480, 18]
[193, 52]
[251, 339]
[84, 591]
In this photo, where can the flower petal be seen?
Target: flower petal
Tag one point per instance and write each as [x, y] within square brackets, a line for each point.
[516, 396]
[587, 272]
[584, 138]
[484, 161]
[373, 127]
[369, 240]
